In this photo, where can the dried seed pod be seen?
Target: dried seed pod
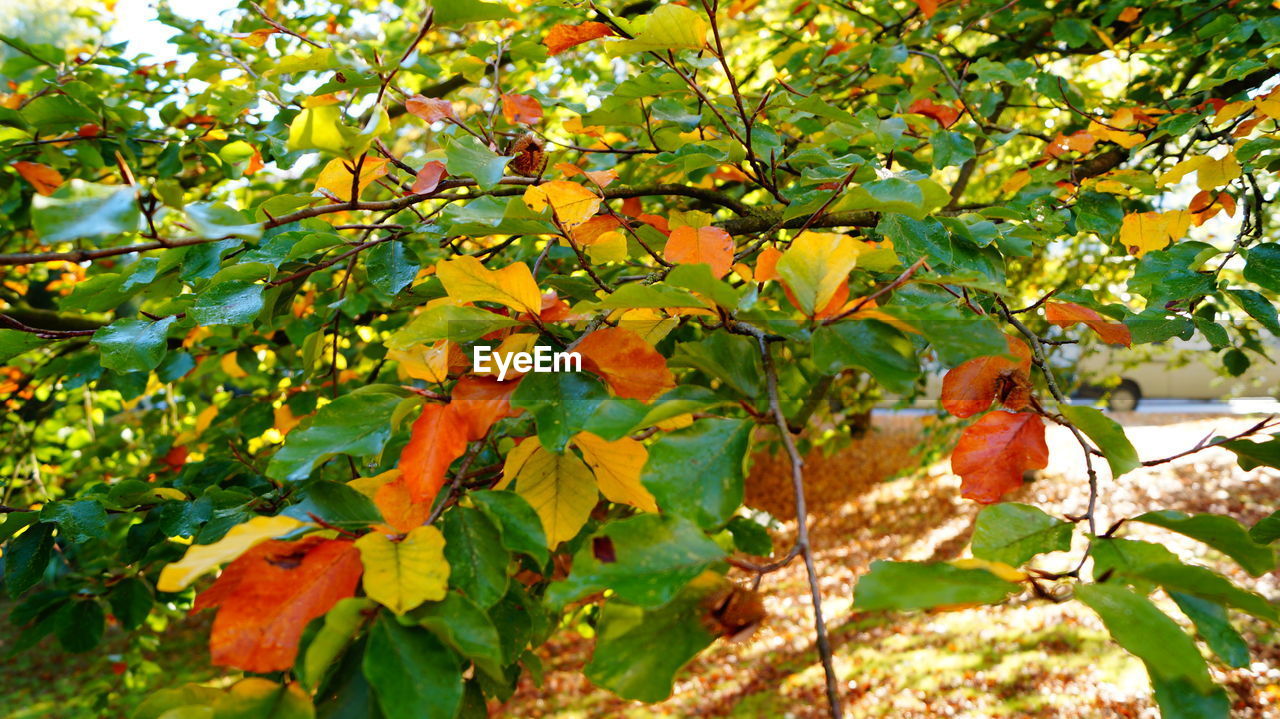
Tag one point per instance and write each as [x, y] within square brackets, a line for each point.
[733, 612]
[530, 158]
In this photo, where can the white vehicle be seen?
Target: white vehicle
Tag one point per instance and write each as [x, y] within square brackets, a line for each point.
[1173, 369]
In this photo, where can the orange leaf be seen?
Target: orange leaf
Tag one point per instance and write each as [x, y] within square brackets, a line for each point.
[590, 231]
[438, 437]
[946, 115]
[481, 401]
[928, 7]
[767, 264]
[563, 37]
[428, 178]
[632, 207]
[42, 177]
[993, 453]
[398, 508]
[1065, 314]
[266, 597]
[255, 163]
[599, 177]
[521, 109]
[704, 245]
[631, 367]
[969, 388]
[431, 109]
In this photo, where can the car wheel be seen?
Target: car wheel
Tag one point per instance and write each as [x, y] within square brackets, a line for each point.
[1125, 397]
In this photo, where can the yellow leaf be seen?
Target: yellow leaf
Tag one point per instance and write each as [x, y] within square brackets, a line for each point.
[608, 247]
[1231, 111]
[229, 365]
[1142, 232]
[1270, 108]
[572, 203]
[1000, 569]
[815, 265]
[336, 176]
[647, 322]
[321, 128]
[1016, 182]
[559, 487]
[1124, 139]
[692, 218]
[401, 575]
[203, 558]
[368, 486]
[467, 280]
[1215, 173]
[424, 362]
[285, 420]
[670, 27]
[617, 466]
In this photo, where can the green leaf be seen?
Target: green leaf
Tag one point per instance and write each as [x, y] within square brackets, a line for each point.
[1257, 307]
[1121, 557]
[697, 472]
[455, 13]
[870, 345]
[521, 528]
[468, 156]
[1014, 533]
[234, 302]
[1250, 454]
[79, 624]
[321, 128]
[256, 698]
[1099, 212]
[750, 537]
[154, 706]
[636, 296]
[1267, 530]
[1147, 633]
[561, 404]
[1214, 628]
[463, 625]
[337, 504]
[78, 521]
[1222, 533]
[82, 210]
[448, 322]
[1107, 434]
[341, 625]
[1207, 584]
[214, 219]
[925, 585]
[639, 651]
[131, 602]
[732, 359]
[1179, 699]
[1262, 266]
[391, 267]
[645, 560]
[698, 278]
[413, 674]
[133, 345]
[951, 149]
[14, 343]
[477, 561]
[356, 424]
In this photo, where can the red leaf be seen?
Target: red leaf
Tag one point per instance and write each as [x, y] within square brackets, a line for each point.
[521, 109]
[993, 453]
[430, 109]
[1065, 314]
[266, 597]
[438, 437]
[428, 178]
[946, 115]
[630, 365]
[704, 245]
[481, 401]
[563, 37]
[969, 388]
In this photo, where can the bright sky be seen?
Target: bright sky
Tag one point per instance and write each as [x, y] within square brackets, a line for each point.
[136, 22]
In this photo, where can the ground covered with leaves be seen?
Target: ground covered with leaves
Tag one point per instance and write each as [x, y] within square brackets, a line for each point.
[1030, 658]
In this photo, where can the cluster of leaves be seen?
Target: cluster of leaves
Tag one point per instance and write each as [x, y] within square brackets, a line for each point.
[242, 297]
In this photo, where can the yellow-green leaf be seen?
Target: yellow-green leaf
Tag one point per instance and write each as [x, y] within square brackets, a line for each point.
[572, 203]
[617, 466]
[815, 265]
[203, 558]
[559, 487]
[321, 128]
[467, 280]
[670, 27]
[401, 575]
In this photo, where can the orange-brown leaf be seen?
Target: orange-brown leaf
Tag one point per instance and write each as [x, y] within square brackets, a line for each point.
[481, 401]
[928, 7]
[431, 109]
[42, 177]
[563, 37]
[438, 437]
[398, 507]
[630, 365]
[266, 597]
[590, 231]
[767, 264]
[993, 453]
[428, 178]
[521, 109]
[969, 388]
[1065, 314]
[703, 245]
[946, 115]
